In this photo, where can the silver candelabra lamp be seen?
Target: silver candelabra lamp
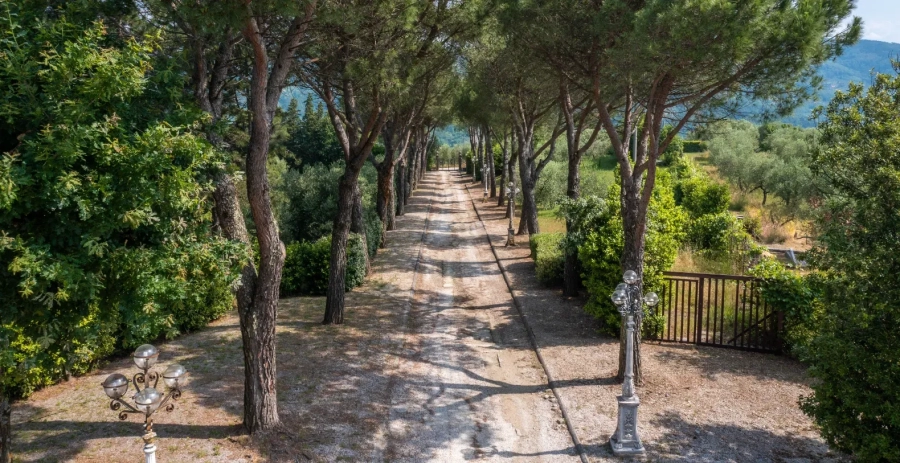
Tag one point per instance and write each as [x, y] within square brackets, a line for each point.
[147, 399]
[627, 297]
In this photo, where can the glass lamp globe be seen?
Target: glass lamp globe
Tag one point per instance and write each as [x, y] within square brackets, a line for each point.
[621, 287]
[145, 356]
[651, 299]
[115, 385]
[172, 375]
[630, 277]
[618, 297]
[148, 400]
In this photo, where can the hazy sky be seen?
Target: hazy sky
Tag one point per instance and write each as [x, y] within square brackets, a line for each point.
[881, 19]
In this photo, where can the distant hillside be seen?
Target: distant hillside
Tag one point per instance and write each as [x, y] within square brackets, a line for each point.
[855, 65]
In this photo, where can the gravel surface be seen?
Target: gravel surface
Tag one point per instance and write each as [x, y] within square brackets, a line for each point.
[434, 363]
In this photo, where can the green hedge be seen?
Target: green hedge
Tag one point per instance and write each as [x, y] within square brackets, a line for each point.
[695, 146]
[548, 256]
[306, 266]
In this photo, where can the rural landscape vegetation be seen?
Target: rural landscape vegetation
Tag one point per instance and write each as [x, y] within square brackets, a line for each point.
[307, 204]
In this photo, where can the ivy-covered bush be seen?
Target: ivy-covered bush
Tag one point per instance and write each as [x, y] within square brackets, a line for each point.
[796, 296]
[105, 217]
[601, 251]
[306, 266]
[548, 256]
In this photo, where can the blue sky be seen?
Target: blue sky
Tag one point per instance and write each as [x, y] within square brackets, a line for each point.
[881, 19]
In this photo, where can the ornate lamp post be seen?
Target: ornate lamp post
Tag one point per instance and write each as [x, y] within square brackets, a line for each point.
[511, 233]
[625, 441]
[147, 399]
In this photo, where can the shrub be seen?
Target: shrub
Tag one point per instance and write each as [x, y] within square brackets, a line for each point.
[104, 201]
[854, 356]
[752, 226]
[356, 262]
[603, 244]
[716, 233]
[306, 266]
[794, 295]
[374, 232]
[701, 196]
[548, 256]
[695, 146]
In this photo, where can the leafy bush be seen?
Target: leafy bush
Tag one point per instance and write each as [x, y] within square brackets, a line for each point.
[356, 262]
[549, 260]
[695, 146]
[374, 232]
[716, 233]
[854, 356]
[104, 202]
[306, 266]
[601, 251]
[701, 196]
[795, 296]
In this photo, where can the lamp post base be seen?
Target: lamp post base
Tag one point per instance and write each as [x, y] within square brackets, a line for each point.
[625, 441]
[510, 237]
[150, 447]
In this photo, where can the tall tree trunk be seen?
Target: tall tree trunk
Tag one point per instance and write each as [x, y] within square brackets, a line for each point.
[489, 155]
[258, 323]
[511, 173]
[258, 320]
[401, 181]
[340, 232]
[385, 196]
[501, 198]
[5, 428]
[571, 278]
[634, 221]
[528, 175]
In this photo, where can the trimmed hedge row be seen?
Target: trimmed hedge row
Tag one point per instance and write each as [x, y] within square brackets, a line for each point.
[695, 146]
[307, 263]
[549, 259]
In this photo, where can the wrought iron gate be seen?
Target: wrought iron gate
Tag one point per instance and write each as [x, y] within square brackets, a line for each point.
[719, 310]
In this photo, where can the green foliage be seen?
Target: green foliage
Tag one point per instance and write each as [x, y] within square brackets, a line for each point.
[104, 230]
[311, 138]
[549, 260]
[601, 250]
[794, 295]
[701, 196]
[374, 232]
[716, 233]
[306, 266]
[675, 151]
[695, 146]
[853, 359]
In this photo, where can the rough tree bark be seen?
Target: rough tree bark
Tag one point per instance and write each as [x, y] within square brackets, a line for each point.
[356, 141]
[501, 197]
[489, 161]
[5, 428]
[575, 125]
[258, 320]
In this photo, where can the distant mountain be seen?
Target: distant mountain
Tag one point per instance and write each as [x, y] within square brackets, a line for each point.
[855, 65]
